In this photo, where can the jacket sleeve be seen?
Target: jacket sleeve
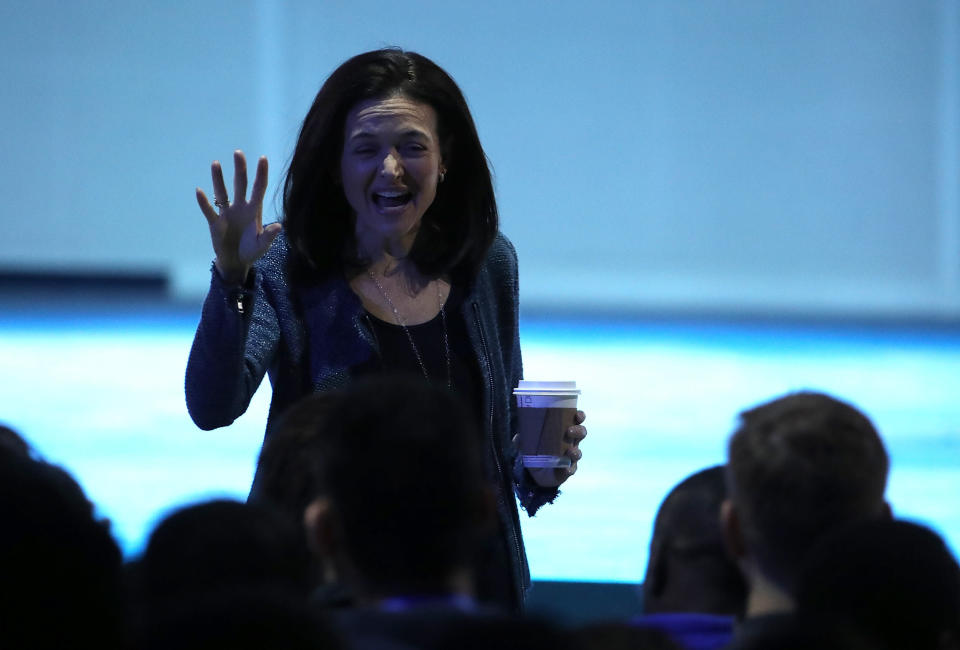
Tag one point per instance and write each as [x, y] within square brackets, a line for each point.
[234, 346]
[530, 494]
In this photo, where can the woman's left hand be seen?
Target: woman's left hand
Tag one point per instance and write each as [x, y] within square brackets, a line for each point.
[554, 476]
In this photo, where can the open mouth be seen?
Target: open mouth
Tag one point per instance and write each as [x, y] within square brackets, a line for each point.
[391, 199]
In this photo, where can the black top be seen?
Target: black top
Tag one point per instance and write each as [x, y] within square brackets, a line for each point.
[397, 355]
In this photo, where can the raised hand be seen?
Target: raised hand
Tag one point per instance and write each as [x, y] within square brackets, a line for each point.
[236, 228]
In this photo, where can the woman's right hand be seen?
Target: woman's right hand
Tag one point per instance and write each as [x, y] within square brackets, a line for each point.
[236, 228]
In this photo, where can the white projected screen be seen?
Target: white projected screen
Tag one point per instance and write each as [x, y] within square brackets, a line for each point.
[790, 156]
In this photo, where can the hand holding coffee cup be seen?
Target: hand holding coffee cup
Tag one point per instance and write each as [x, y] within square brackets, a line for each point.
[550, 429]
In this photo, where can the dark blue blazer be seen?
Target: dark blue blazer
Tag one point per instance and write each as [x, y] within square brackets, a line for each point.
[309, 339]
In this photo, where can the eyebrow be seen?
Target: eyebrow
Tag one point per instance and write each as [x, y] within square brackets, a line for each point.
[416, 133]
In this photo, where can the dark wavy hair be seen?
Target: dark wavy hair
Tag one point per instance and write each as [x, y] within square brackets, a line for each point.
[456, 230]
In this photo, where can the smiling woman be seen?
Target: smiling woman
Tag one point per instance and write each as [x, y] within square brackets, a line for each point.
[390, 168]
[390, 260]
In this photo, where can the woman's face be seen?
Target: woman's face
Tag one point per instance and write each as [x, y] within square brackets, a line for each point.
[389, 170]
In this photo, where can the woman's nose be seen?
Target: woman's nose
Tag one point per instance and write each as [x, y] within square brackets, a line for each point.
[391, 165]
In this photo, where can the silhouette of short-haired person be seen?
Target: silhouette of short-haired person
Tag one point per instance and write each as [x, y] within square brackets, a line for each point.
[12, 442]
[402, 508]
[798, 467]
[692, 589]
[212, 545]
[222, 573]
[288, 467]
[893, 582]
[60, 568]
[289, 478]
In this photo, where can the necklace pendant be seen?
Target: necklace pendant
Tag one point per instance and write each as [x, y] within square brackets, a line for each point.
[413, 346]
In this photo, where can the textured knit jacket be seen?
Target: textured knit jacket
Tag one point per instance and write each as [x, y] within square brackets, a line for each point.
[308, 340]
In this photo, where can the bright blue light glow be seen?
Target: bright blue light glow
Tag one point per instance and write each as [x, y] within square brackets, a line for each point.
[106, 401]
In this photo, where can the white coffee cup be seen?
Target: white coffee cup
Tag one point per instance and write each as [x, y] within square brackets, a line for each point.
[546, 410]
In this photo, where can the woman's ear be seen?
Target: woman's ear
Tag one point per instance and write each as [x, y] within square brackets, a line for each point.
[446, 147]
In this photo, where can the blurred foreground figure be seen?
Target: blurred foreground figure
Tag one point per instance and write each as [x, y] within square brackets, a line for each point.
[692, 590]
[225, 574]
[60, 569]
[798, 467]
[402, 509]
[290, 476]
[894, 583]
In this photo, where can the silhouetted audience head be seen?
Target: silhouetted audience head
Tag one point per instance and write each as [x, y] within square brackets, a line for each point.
[288, 478]
[799, 466]
[689, 569]
[12, 442]
[218, 545]
[60, 568]
[288, 471]
[403, 499]
[895, 583]
[224, 574]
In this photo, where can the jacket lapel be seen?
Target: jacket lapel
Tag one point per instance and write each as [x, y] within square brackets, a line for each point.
[337, 338]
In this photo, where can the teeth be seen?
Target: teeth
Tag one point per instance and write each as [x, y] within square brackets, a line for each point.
[391, 194]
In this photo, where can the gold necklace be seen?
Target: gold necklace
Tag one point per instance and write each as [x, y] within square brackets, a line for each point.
[402, 323]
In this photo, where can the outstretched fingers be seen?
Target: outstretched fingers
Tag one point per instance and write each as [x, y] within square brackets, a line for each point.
[239, 176]
[208, 211]
[259, 188]
[260, 181]
[219, 188]
[236, 229]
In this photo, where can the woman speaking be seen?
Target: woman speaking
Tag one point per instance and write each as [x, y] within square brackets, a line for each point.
[389, 259]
